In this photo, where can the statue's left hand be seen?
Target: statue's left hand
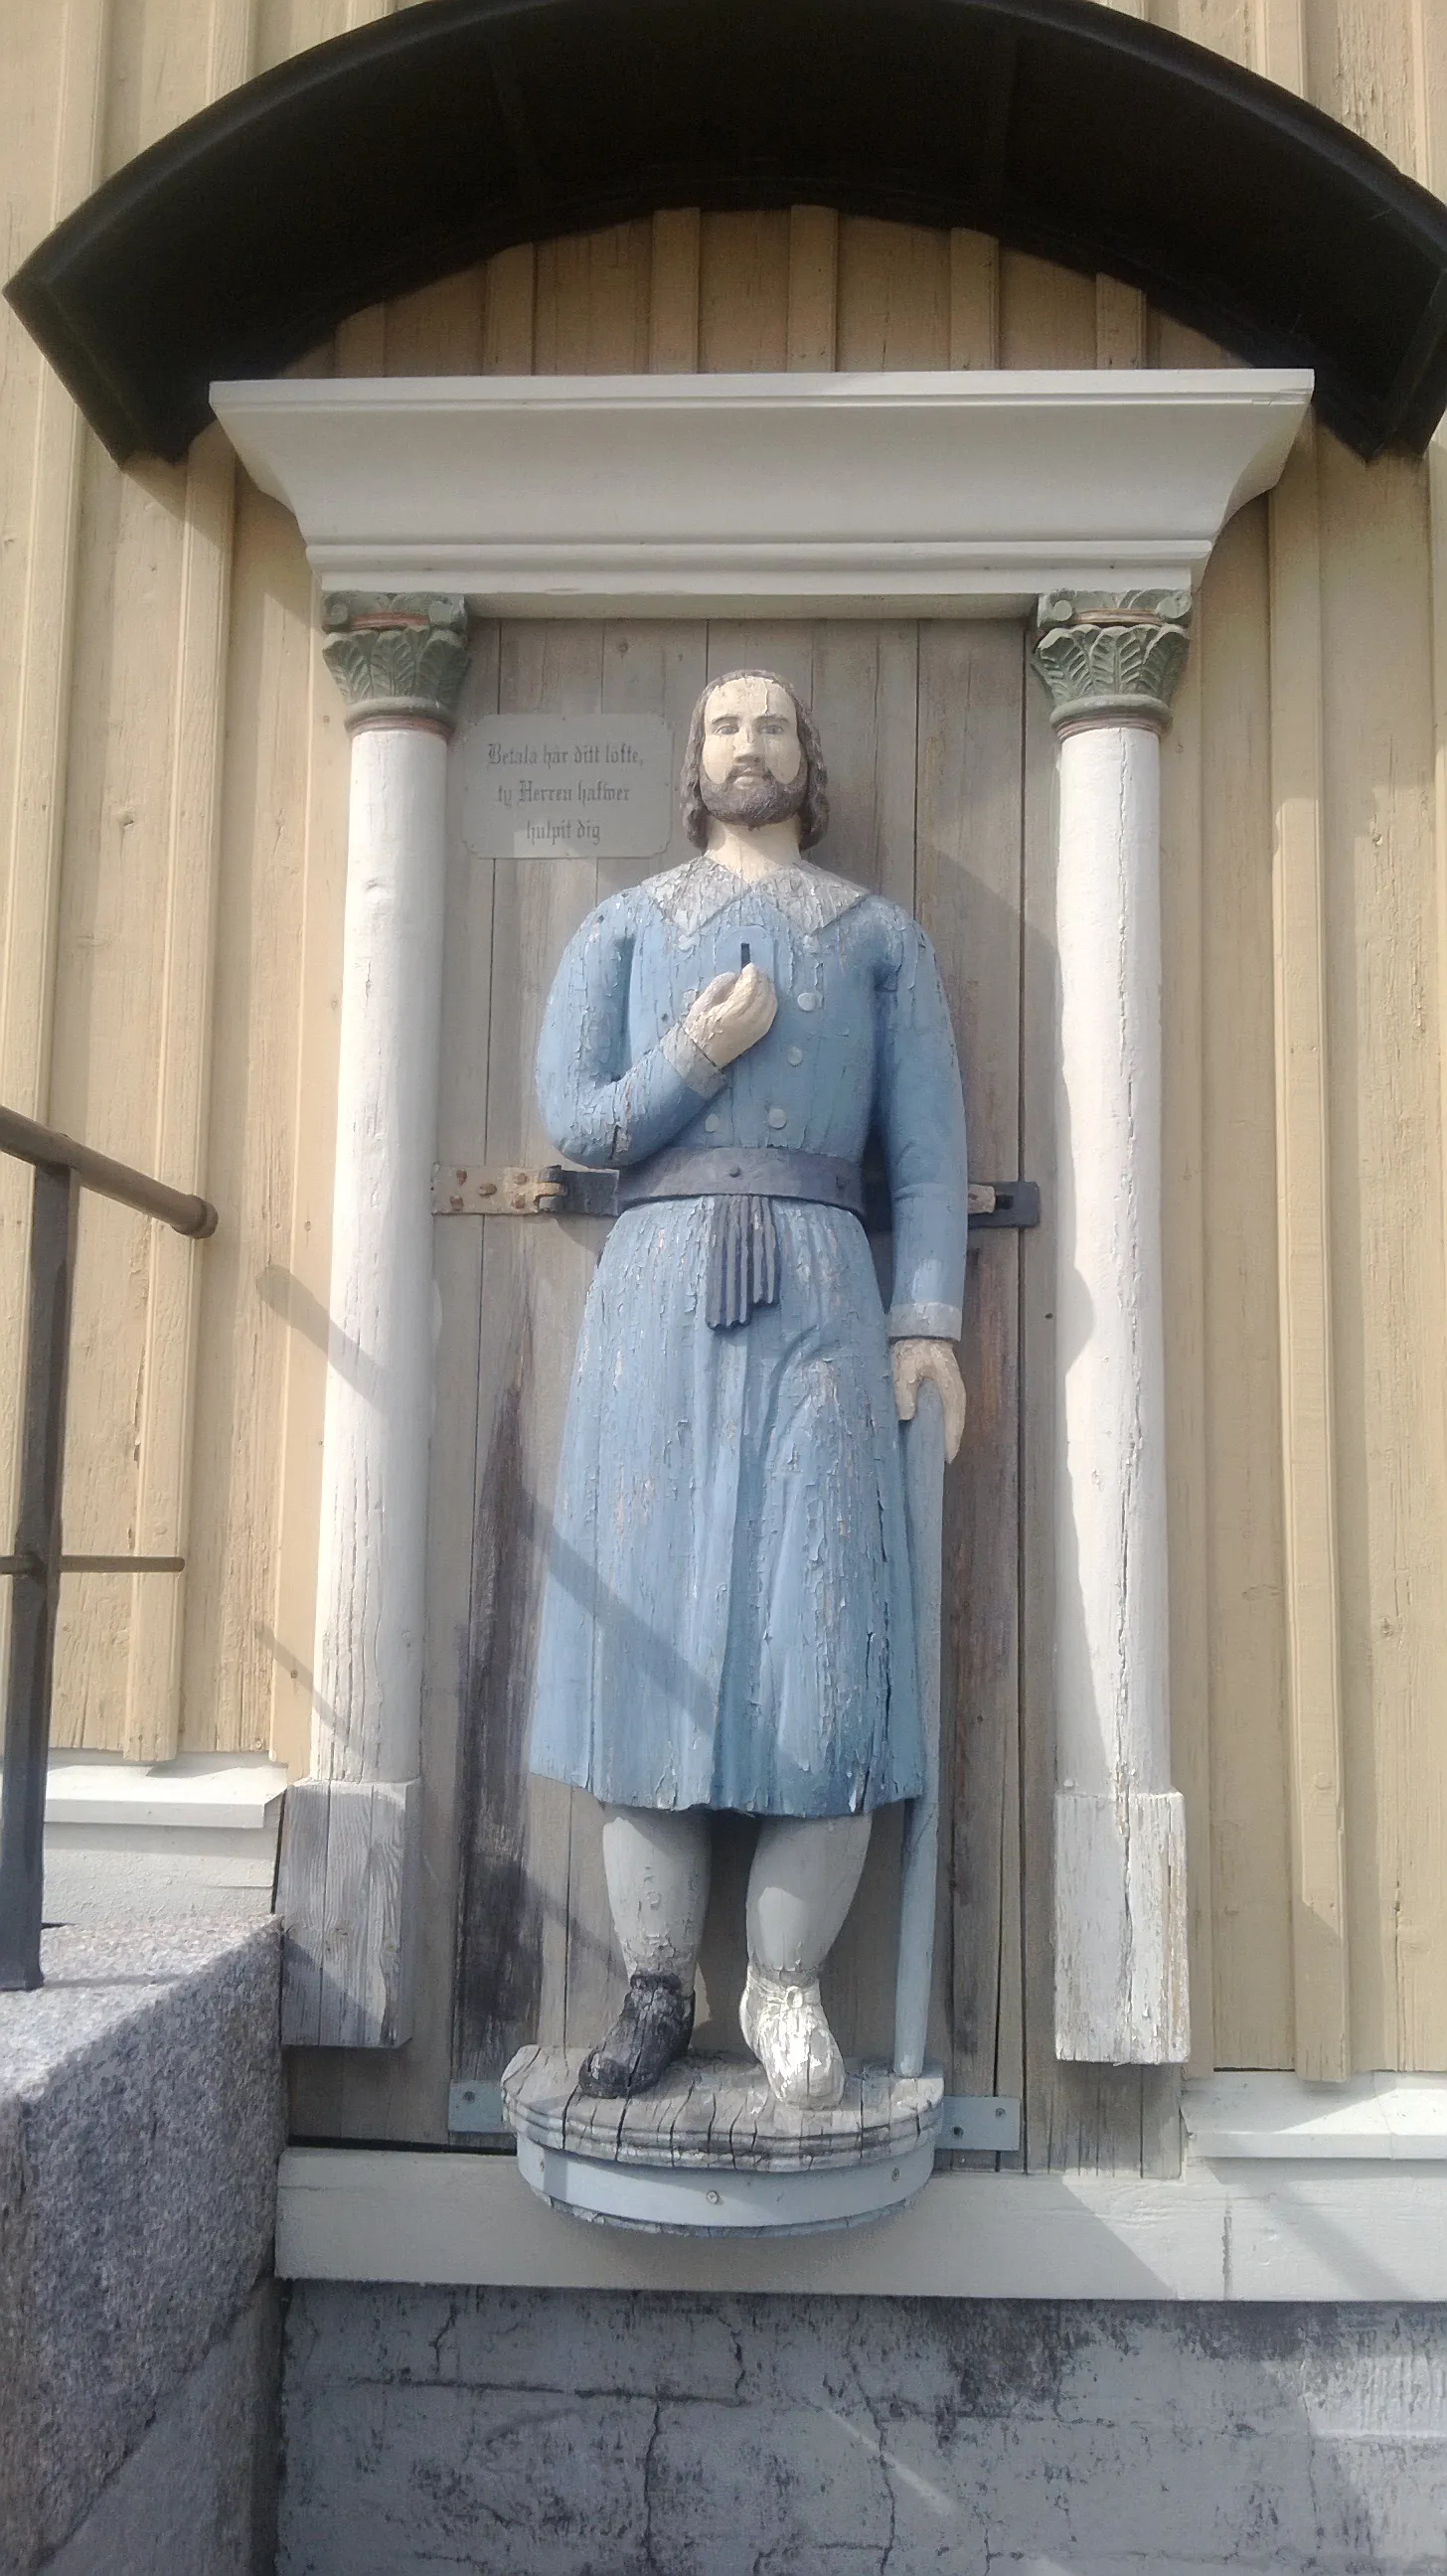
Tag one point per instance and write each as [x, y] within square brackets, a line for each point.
[915, 1361]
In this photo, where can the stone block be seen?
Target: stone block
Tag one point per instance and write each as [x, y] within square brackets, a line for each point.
[140, 2124]
[197, 2498]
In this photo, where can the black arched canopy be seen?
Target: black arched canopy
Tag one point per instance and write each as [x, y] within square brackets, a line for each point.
[387, 158]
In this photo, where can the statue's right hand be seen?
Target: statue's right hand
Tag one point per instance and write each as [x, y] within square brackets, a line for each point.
[732, 1014]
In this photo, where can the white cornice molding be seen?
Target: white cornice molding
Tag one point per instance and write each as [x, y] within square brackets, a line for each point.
[668, 495]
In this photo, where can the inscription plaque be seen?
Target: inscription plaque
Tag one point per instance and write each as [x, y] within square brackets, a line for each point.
[568, 787]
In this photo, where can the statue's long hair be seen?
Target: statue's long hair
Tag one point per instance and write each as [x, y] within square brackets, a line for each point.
[814, 812]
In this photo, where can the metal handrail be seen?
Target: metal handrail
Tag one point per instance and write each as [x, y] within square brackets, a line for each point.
[45, 1146]
[62, 1170]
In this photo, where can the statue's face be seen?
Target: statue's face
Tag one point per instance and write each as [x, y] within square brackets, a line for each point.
[752, 768]
[750, 731]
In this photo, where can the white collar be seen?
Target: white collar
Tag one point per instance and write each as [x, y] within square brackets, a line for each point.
[808, 896]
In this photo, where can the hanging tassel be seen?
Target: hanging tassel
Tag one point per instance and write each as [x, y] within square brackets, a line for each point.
[743, 1260]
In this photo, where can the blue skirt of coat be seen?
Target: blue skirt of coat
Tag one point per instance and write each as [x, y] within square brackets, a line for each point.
[727, 1618]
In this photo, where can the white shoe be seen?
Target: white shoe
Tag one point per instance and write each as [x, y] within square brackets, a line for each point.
[783, 2022]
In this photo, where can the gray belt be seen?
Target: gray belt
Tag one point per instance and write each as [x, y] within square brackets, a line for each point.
[742, 1257]
[744, 1171]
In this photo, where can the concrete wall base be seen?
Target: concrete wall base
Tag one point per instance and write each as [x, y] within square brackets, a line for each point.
[537, 2433]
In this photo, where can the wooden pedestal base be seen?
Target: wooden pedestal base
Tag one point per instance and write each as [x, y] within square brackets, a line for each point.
[711, 2153]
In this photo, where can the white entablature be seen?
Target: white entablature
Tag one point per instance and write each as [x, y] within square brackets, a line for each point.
[675, 496]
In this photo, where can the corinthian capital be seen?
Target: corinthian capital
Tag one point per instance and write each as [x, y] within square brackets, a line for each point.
[398, 657]
[1112, 661]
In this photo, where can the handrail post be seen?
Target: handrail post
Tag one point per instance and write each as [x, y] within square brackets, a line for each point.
[55, 1208]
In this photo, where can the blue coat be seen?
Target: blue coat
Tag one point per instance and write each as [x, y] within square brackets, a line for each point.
[726, 1619]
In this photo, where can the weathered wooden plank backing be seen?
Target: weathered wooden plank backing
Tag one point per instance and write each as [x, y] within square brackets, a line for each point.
[967, 894]
[536, 1947]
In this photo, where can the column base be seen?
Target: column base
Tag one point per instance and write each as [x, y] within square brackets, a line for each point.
[1120, 1929]
[346, 1894]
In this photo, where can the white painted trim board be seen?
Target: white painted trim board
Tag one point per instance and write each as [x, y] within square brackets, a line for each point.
[1391, 2119]
[192, 1837]
[1303, 2232]
[198, 1792]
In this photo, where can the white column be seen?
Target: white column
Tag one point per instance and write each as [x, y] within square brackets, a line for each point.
[1120, 1883]
[349, 1856]
[368, 1660]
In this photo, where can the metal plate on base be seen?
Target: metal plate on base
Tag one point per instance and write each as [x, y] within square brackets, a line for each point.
[670, 2200]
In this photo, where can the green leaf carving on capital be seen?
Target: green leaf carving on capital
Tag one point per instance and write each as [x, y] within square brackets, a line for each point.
[397, 656]
[1112, 660]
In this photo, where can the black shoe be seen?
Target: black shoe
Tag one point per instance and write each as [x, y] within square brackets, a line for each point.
[654, 2027]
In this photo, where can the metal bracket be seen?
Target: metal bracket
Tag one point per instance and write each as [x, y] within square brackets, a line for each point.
[552, 1189]
[475, 2111]
[979, 2121]
[474, 1189]
[973, 2122]
[998, 1204]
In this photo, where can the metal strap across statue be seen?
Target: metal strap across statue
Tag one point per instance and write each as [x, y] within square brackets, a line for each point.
[727, 1620]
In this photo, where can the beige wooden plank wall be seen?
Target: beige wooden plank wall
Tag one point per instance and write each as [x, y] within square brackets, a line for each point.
[171, 811]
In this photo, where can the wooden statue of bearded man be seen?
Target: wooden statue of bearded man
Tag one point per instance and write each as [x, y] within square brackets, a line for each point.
[727, 1617]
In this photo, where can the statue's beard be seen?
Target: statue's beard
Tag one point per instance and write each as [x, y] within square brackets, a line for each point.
[753, 798]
